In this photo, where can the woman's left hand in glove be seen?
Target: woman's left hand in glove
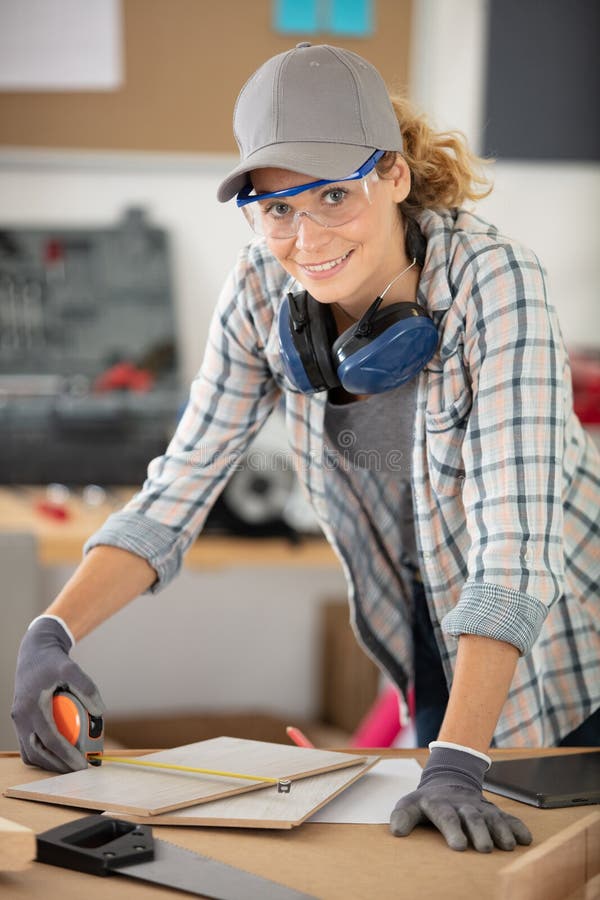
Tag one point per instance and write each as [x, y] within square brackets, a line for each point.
[450, 796]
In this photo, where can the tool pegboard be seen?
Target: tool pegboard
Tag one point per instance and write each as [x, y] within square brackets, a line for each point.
[89, 387]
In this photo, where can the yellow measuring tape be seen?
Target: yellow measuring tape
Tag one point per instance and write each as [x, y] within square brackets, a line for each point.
[154, 765]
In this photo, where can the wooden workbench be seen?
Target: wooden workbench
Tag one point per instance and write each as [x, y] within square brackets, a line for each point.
[60, 542]
[332, 862]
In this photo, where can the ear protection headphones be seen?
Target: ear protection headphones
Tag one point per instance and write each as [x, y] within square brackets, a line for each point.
[381, 351]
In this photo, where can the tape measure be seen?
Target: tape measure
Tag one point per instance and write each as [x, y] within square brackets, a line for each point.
[74, 722]
[86, 733]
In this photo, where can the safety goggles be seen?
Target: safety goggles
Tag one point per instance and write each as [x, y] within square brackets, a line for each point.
[328, 203]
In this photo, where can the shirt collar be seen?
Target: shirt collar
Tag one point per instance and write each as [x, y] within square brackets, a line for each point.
[434, 292]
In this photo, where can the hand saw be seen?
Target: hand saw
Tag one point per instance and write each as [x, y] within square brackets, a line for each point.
[100, 845]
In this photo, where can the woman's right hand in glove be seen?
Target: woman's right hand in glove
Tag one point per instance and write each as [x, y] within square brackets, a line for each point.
[44, 666]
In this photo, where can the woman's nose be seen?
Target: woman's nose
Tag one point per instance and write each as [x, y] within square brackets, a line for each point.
[310, 233]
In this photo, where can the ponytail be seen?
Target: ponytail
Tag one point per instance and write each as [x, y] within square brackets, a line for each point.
[444, 171]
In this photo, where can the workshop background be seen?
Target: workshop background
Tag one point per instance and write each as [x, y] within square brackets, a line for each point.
[115, 129]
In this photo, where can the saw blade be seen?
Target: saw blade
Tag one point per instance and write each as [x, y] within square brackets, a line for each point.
[186, 870]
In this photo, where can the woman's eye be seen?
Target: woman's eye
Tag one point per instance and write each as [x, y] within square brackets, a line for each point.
[335, 196]
[278, 210]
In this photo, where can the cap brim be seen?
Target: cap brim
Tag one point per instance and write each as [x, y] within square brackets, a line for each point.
[316, 160]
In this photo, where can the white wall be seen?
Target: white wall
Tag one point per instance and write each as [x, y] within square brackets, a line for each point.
[553, 208]
[227, 640]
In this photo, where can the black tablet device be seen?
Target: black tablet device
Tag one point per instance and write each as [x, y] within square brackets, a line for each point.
[548, 781]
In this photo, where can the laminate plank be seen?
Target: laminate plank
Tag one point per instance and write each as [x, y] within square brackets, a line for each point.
[148, 792]
[264, 809]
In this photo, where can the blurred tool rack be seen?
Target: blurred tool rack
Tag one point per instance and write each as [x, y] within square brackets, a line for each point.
[89, 388]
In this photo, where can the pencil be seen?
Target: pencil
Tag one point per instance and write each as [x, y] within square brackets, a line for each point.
[298, 737]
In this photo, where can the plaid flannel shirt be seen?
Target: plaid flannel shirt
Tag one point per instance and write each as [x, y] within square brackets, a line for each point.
[505, 482]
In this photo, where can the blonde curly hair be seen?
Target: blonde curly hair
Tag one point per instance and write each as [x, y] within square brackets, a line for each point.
[444, 171]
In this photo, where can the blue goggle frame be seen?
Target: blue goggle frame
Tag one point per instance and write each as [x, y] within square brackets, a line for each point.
[245, 196]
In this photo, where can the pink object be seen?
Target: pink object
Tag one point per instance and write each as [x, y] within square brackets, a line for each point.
[298, 737]
[382, 724]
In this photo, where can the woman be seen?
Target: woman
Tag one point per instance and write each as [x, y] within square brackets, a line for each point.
[428, 401]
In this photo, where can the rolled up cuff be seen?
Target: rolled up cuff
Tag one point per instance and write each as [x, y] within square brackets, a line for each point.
[493, 611]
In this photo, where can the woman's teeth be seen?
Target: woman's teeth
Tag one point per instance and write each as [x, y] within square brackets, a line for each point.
[323, 267]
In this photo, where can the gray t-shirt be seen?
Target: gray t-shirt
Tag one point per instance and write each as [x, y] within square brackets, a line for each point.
[371, 443]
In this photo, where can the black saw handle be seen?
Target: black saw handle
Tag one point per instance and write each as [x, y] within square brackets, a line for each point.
[96, 844]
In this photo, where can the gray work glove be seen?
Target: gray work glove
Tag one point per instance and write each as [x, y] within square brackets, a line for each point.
[43, 665]
[449, 796]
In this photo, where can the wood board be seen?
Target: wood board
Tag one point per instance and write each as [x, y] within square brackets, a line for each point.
[264, 809]
[17, 846]
[565, 866]
[149, 792]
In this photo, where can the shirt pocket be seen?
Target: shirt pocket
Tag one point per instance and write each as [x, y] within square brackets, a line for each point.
[449, 401]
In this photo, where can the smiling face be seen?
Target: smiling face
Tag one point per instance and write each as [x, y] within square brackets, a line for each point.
[349, 264]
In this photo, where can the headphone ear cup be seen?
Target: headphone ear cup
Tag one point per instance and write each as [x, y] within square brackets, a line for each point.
[291, 344]
[323, 334]
[306, 331]
[401, 341]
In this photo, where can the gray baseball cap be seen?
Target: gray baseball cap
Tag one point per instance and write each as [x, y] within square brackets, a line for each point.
[318, 110]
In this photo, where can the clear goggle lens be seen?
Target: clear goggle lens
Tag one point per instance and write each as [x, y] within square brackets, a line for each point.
[328, 203]
[328, 206]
